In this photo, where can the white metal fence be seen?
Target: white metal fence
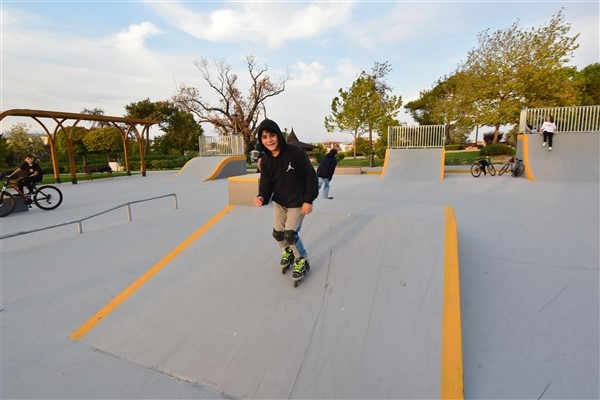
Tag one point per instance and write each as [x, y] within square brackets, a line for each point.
[231, 145]
[416, 137]
[567, 119]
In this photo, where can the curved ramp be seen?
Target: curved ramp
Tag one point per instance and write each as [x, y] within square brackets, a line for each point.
[414, 165]
[210, 168]
[383, 323]
[574, 157]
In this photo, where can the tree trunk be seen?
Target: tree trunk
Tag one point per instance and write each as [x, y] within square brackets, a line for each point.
[496, 132]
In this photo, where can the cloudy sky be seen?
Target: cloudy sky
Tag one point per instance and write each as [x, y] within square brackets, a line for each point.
[71, 55]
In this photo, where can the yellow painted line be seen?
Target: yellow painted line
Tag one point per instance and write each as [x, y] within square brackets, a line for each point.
[222, 165]
[524, 138]
[452, 386]
[83, 330]
[442, 167]
[385, 162]
[243, 179]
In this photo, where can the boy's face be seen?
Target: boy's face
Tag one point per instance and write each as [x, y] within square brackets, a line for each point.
[269, 140]
[29, 160]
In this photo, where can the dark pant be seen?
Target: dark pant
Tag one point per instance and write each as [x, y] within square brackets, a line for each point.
[28, 181]
[548, 137]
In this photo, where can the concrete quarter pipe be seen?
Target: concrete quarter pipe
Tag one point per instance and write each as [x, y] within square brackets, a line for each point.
[414, 164]
[574, 157]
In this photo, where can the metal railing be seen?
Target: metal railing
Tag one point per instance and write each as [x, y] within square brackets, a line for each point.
[231, 145]
[567, 119]
[416, 137]
[80, 221]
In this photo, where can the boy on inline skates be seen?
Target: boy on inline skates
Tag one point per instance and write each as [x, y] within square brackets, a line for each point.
[289, 179]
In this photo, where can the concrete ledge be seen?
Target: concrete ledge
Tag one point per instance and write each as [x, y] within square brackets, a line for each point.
[242, 190]
[348, 171]
[21, 206]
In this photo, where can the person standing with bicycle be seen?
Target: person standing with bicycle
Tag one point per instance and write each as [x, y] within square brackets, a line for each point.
[30, 172]
[548, 130]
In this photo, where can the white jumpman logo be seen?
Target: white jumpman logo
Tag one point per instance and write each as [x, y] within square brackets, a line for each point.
[289, 166]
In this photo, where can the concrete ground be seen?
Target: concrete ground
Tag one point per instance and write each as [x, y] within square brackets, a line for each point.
[201, 327]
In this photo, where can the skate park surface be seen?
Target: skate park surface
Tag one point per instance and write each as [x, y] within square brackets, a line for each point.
[190, 303]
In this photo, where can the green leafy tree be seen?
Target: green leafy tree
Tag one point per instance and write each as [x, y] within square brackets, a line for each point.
[381, 143]
[147, 109]
[180, 128]
[345, 114]
[19, 142]
[590, 80]
[182, 132]
[104, 140]
[362, 146]
[512, 69]
[3, 152]
[233, 112]
[447, 103]
[366, 107]
[77, 135]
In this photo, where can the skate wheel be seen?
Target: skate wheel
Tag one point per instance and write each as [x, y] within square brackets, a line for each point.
[284, 269]
[296, 283]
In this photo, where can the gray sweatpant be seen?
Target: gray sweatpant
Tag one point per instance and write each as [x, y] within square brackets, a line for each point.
[289, 219]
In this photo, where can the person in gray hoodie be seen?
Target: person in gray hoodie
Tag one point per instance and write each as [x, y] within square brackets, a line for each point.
[290, 181]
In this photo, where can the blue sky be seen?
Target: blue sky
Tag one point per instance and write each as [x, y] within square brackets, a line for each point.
[70, 55]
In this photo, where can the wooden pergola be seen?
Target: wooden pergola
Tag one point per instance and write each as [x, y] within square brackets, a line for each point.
[59, 118]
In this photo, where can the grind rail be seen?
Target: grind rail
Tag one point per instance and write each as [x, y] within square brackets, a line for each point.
[81, 220]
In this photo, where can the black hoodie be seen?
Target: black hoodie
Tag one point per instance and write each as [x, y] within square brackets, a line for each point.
[290, 177]
[327, 165]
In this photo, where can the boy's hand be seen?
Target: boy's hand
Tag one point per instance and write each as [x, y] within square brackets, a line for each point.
[258, 201]
[306, 208]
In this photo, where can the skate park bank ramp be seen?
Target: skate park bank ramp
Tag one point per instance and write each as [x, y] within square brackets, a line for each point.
[575, 157]
[383, 322]
[414, 165]
[214, 167]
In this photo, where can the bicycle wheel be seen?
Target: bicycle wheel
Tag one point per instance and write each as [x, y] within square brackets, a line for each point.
[7, 203]
[492, 170]
[518, 170]
[504, 169]
[47, 197]
[475, 170]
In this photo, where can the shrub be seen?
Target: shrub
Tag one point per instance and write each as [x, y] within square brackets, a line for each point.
[496, 150]
[319, 153]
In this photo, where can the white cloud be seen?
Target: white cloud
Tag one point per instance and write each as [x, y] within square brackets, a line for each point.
[310, 74]
[134, 36]
[269, 24]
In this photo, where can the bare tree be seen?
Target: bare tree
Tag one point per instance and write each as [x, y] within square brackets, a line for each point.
[232, 112]
[97, 111]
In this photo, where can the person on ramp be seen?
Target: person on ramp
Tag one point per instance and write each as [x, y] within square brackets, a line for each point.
[289, 179]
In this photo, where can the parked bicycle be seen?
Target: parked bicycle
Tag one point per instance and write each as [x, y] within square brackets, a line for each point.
[483, 164]
[513, 165]
[46, 197]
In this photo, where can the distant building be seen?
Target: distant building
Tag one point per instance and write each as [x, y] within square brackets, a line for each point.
[339, 146]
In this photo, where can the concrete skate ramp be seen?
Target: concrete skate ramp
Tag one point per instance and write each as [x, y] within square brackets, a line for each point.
[363, 324]
[413, 165]
[574, 157]
[210, 168]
